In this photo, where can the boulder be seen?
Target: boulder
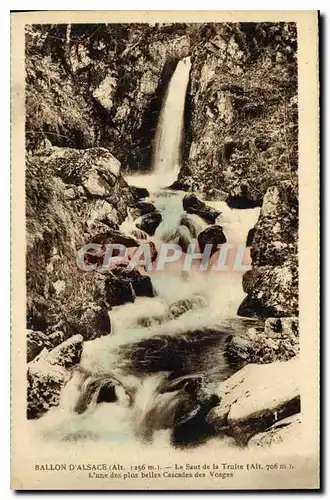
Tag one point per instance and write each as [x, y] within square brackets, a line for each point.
[38, 341]
[272, 291]
[287, 430]
[118, 291]
[213, 235]
[105, 92]
[96, 169]
[67, 354]
[149, 222]
[114, 237]
[242, 202]
[44, 385]
[142, 284]
[182, 238]
[193, 205]
[264, 346]
[273, 281]
[190, 425]
[238, 349]
[145, 207]
[91, 320]
[255, 398]
[47, 374]
[189, 224]
[140, 192]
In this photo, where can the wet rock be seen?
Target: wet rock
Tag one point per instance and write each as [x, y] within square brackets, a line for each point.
[145, 207]
[108, 221]
[193, 226]
[143, 287]
[238, 349]
[142, 284]
[149, 222]
[241, 202]
[211, 235]
[153, 250]
[181, 306]
[96, 389]
[255, 398]
[139, 234]
[182, 238]
[91, 320]
[193, 205]
[177, 186]
[249, 238]
[190, 425]
[48, 373]
[118, 291]
[140, 192]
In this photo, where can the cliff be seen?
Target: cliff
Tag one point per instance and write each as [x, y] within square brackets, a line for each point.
[96, 91]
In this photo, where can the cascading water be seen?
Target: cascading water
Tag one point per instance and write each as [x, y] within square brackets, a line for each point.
[169, 133]
[142, 373]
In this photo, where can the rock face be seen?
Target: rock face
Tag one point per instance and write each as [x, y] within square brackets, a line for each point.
[115, 79]
[239, 136]
[60, 294]
[48, 373]
[38, 341]
[255, 398]
[242, 105]
[278, 342]
[272, 285]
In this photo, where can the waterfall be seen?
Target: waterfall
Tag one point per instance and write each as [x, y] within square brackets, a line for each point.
[166, 156]
[131, 386]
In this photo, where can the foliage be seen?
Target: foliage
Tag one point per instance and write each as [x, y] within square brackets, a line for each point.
[55, 110]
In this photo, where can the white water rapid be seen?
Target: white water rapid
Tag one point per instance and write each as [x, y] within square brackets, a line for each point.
[143, 368]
